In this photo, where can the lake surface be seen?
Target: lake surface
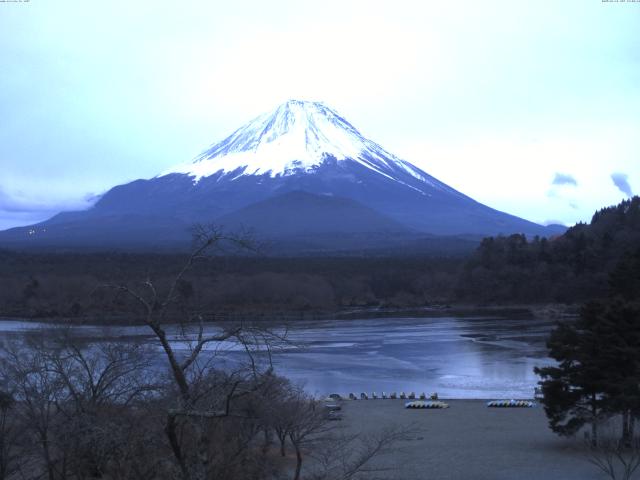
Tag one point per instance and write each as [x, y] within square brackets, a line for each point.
[456, 357]
[478, 357]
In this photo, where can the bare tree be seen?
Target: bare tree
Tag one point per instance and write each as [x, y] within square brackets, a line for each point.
[101, 381]
[194, 408]
[617, 458]
[38, 391]
[305, 423]
[11, 458]
[308, 422]
[71, 400]
[348, 457]
[277, 412]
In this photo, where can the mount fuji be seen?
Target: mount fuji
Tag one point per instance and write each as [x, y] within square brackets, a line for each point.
[301, 175]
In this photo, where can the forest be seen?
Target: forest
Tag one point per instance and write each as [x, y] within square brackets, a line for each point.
[504, 270]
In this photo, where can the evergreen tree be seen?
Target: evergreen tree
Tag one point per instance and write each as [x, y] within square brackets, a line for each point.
[574, 391]
[620, 327]
[598, 371]
[624, 280]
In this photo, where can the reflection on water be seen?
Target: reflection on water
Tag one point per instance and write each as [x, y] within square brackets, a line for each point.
[456, 357]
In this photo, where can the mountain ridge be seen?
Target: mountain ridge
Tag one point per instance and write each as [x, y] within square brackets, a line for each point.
[299, 146]
[298, 211]
[297, 135]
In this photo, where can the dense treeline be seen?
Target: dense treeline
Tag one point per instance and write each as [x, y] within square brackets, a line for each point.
[570, 268]
[65, 284]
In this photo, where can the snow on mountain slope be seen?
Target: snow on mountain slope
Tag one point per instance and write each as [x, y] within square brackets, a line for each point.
[301, 174]
[297, 138]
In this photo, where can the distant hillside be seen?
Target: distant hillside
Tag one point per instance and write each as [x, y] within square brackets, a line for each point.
[573, 267]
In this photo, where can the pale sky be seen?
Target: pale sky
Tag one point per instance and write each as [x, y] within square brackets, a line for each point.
[531, 107]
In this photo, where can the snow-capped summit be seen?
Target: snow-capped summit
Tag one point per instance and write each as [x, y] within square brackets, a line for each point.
[297, 137]
[301, 177]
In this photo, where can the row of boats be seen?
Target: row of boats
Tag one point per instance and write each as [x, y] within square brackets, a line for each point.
[493, 403]
[384, 396]
[432, 402]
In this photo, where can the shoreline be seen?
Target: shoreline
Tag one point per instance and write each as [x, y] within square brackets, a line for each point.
[470, 440]
[344, 400]
[546, 311]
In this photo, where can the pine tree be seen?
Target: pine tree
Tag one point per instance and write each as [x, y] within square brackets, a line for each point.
[574, 391]
[598, 372]
[620, 326]
[624, 279]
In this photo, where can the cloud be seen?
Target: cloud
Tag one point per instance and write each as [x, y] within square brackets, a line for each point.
[19, 204]
[20, 219]
[620, 181]
[546, 223]
[19, 208]
[22, 202]
[17, 211]
[564, 179]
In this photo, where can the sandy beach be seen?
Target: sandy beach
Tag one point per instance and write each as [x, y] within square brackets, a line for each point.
[471, 441]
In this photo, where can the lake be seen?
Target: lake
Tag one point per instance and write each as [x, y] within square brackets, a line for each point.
[457, 357]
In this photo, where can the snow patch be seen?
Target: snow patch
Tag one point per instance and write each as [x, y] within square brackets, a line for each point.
[297, 138]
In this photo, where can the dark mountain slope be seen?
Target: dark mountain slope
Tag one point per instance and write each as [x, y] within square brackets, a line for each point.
[299, 147]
